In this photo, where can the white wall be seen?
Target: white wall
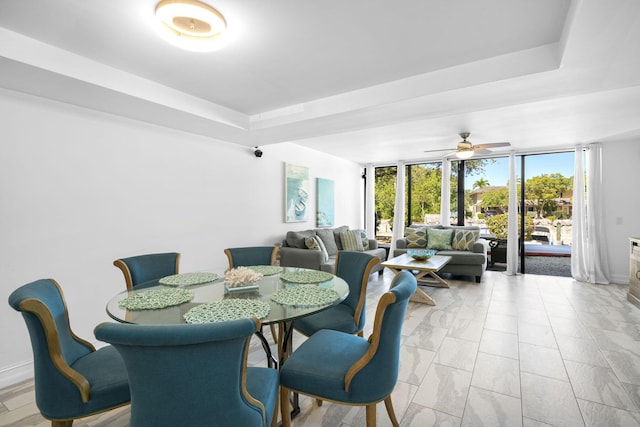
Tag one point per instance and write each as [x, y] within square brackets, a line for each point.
[79, 189]
[620, 162]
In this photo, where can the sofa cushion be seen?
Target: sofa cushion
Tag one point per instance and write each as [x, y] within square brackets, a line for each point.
[439, 239]
[296, 239]
[351, 240]
[464, 257]
[336, 234]
[463, 240]
[416, 237]
[329, 240]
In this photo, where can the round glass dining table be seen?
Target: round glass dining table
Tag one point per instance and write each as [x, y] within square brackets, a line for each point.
[215, 290]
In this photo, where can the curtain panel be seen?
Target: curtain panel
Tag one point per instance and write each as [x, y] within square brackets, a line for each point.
[589, 262]
[398, 211]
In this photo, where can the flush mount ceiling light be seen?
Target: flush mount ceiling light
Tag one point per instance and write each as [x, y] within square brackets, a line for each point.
[191, 25]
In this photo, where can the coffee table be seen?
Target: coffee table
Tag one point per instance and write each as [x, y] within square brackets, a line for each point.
[421, 269]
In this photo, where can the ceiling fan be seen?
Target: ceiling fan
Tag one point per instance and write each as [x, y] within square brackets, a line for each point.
[466, 150]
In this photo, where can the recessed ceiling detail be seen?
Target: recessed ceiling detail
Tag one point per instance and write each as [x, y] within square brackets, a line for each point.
[191, 25]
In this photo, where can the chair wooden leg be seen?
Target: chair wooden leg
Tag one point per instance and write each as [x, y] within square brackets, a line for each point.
[65, 423]
[390, 411]
[319, 402]
[285, 408]
[274, 419]
[371, 415]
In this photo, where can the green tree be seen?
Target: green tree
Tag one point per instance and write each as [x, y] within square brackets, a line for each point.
[425, 192]
[541, 191]
[385, 191]
[426, 184]
[496, 197]
[498, 225]
[481, 183]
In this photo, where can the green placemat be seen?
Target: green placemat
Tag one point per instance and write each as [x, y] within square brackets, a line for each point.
[307, 276]
[266, 270]
[186, 279]
[156, 298]
[227, 309]
[305, 296]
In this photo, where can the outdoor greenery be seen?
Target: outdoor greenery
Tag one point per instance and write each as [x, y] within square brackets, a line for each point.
[498, 225]
[540, 193]
[426, 181]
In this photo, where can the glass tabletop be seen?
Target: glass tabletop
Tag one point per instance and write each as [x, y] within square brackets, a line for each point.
[215, 291]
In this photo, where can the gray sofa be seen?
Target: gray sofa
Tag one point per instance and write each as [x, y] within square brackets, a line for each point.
[295, 251]
[468, 257]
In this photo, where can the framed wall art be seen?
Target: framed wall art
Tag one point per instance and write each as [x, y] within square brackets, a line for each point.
[325, 203]
[296, 191]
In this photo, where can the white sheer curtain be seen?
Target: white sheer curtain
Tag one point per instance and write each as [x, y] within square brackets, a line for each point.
[398, 211]
[370, 205]
[445, 197]
[512, 221]
[589, 262]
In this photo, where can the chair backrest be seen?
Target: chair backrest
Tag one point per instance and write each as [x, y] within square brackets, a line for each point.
[252, 255]
[187, 374]
[55, 348]
[354, 268]
[376, 373]
[144, 268]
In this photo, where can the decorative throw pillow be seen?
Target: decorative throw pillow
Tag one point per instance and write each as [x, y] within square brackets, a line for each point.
[311, 243]
[315, 243]
[463, 240]
[416, 237]
[336, 233]
[439, 239]
[351, 240]
[329, 240]
[365, 239]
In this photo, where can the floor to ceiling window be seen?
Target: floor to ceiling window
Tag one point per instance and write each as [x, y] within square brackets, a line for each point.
[479, 196]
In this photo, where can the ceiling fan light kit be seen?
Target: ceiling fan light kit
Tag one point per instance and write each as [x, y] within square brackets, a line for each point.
[466, 150]
[191, 25]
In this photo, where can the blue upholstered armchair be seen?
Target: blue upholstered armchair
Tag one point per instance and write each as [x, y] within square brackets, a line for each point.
[194, 375]
[348, 369]
[72, 378]
[348, 316]
[252, 255]
[142, 269]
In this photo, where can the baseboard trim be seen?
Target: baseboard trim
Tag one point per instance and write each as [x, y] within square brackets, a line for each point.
[14, 374]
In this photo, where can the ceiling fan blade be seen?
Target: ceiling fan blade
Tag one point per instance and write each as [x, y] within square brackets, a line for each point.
[433, 151]
[492, 145]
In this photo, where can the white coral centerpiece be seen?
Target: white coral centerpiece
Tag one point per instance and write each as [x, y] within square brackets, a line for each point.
[241, 276]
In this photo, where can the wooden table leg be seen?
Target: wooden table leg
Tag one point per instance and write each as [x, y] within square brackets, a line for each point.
[439, 281]
[422, 297]
[419, 295]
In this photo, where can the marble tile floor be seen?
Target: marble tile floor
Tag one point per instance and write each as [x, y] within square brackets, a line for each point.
[522, 350]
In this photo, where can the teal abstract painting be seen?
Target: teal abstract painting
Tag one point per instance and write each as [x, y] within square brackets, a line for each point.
[325, 215]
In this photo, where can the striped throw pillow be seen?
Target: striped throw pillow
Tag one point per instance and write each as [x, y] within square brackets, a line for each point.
[351, 240]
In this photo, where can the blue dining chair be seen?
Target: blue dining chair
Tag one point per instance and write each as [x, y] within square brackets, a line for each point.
[348, 316]
[142, 269]
[194, 374]
[72, 379]
[345, 368]
[251, 255]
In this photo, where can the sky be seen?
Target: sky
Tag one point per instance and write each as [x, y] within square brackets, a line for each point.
[498, 173]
